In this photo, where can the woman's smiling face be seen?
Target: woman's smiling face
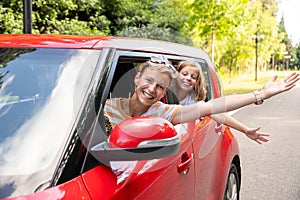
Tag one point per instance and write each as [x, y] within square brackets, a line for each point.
[187, 78]
[151, 86]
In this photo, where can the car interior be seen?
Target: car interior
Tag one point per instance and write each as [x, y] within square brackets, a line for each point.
[126, 69]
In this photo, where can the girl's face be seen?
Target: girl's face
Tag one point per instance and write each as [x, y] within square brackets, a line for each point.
[187, 78]
[151, 86]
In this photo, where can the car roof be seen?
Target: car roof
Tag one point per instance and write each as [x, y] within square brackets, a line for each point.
[100, 42]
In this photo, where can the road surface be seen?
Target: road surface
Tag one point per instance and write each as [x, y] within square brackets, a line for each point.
[271, 171]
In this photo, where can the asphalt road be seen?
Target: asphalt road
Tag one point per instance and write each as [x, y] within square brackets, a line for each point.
[271, 171]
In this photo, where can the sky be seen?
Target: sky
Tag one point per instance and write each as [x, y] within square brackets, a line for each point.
[290, 9]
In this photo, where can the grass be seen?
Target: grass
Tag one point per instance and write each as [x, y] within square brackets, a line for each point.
[245, 83]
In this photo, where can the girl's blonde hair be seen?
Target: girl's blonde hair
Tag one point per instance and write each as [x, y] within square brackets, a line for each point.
[200, 89]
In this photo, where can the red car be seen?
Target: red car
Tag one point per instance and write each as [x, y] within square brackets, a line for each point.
[54, 143]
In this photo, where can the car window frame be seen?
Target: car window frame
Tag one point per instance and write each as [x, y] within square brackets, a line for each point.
[110, 61]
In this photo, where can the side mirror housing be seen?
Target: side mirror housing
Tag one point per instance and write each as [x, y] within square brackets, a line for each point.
[139, 138]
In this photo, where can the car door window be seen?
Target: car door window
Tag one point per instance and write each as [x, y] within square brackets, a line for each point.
[123, 80]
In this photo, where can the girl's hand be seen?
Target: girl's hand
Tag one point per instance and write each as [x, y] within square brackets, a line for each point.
[272, 88]
[258, 137]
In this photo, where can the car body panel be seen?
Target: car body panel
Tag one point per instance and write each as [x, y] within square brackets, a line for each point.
[73, 189]
[100, 42]
[49, 41]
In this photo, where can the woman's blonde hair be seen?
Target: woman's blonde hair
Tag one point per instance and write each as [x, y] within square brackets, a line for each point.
[200, 89]
[160, 67]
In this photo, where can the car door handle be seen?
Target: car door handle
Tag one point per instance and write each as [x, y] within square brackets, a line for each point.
[184, 164]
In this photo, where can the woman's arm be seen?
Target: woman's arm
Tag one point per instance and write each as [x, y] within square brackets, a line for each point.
[224, 104]
[251, 133]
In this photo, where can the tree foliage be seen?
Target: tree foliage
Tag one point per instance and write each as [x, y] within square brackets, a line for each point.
[227, 27]
[224, 28]
[51, 16]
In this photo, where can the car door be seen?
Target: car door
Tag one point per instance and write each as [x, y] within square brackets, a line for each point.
[207, 144]
[167, 178]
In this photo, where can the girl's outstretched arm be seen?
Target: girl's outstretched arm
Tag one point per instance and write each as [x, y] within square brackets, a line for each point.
[224, 104]
[251, 133]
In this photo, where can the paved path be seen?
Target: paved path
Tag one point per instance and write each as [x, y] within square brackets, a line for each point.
[271, 171]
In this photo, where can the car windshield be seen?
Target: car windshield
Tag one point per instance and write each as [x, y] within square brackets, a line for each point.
[41, 91]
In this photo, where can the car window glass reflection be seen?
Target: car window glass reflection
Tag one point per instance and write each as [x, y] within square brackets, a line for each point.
[34, 84]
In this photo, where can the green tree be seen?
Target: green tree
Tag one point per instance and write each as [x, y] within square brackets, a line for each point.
[51, 16]
[11, 18]
[267, 26]
[297, 59]
[161, 19]
[224, 28]
[285, 50]
[228, 28]
[214, 20]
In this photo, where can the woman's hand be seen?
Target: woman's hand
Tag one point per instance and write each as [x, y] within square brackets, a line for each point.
[272, 88]
[258, 137]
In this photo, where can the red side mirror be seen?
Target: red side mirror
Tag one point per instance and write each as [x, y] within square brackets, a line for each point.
[136, 131]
